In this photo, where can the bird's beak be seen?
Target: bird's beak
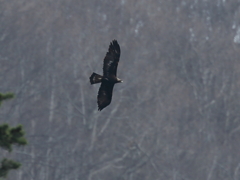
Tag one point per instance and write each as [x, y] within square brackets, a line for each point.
[119, 80]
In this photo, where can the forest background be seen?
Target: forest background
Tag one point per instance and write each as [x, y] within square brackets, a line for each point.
[175, 116]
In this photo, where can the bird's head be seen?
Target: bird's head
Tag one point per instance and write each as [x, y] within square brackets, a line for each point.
[119, 80]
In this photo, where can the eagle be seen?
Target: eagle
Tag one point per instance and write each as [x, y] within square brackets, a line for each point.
[109, 77]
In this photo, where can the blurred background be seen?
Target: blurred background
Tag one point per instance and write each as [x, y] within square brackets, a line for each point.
[176, 115]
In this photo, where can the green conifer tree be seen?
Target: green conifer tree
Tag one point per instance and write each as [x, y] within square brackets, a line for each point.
[10, 136]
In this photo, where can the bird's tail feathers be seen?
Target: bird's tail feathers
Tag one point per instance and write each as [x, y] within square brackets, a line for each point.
[95, 78]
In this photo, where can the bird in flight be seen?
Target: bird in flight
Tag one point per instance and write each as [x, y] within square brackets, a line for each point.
[109, 77]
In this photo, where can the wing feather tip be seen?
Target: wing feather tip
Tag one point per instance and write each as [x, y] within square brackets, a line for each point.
[114, 46]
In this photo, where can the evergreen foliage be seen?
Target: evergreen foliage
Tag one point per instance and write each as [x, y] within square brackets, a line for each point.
[10, 136]
[7, 165]
[5, 96]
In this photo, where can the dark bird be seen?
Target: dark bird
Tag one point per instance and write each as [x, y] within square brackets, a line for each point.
[109, 78]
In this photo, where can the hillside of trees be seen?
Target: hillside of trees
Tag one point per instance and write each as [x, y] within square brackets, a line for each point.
[176, 115]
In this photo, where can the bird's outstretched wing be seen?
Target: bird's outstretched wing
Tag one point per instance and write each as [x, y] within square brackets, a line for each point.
[105, 94]
[111, 59]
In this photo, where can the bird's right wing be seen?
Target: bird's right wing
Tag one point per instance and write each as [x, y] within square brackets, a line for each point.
[111, 59]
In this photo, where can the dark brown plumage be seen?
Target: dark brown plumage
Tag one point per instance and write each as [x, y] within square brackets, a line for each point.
[109, 78]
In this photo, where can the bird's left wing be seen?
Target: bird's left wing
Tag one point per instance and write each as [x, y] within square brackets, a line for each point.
[104, 94]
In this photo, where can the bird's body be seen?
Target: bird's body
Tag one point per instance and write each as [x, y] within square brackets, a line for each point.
[109, 78]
